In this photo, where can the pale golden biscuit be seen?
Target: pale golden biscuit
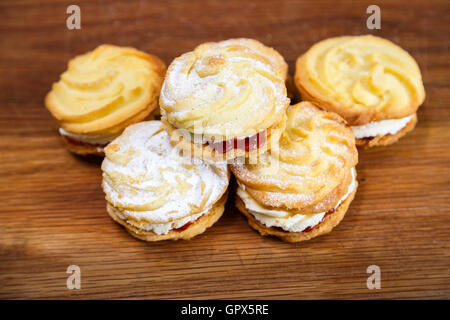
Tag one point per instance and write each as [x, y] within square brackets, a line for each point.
[82, 148]
[315, 154]
[330, 200]
[294, 226]
[226, 92]
[184, 233]
[155, 191]
[271, 55]
[306, 182]
[365, 79]
[75, 144]
[362, 78]
[104, 91]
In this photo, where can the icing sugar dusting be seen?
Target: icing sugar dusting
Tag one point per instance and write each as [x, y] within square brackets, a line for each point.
[226, 87]
[313, 155]
[145, 177]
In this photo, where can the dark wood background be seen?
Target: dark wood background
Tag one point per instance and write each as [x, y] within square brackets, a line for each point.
[52, 208]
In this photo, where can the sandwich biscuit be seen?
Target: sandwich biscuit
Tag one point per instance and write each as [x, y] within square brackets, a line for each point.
[101, 93]
[156, 193]
[226, 99]
[303, 187]
[375, 85]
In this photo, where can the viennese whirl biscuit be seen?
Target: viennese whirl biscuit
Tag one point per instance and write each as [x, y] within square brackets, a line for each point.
[101, 93]
[375, 85]
[303, 187]
[226, 99]
[154, 192]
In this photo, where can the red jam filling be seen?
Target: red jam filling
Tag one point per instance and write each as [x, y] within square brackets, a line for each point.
[308, 229]
[248, 144]
[186, 225]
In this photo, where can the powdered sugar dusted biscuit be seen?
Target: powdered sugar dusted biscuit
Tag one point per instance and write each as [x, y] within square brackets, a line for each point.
[314, 156]
[152, 188]
[228, 92]
[308, 176]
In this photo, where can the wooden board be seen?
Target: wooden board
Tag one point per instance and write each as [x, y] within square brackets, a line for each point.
[52, 208]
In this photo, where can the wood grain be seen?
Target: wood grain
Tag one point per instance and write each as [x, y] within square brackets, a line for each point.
[52, 209]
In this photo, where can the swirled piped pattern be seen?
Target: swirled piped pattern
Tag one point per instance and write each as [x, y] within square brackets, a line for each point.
[106, 89]
[230, 89]
[362, 78]
[315, 153]
[145, 178]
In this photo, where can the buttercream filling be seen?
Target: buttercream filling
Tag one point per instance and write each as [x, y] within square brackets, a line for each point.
[164, 228]
[383, 127]
[284, 218]
[101, 139]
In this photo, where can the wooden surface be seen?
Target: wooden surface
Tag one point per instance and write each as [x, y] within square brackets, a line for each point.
[52, 208]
